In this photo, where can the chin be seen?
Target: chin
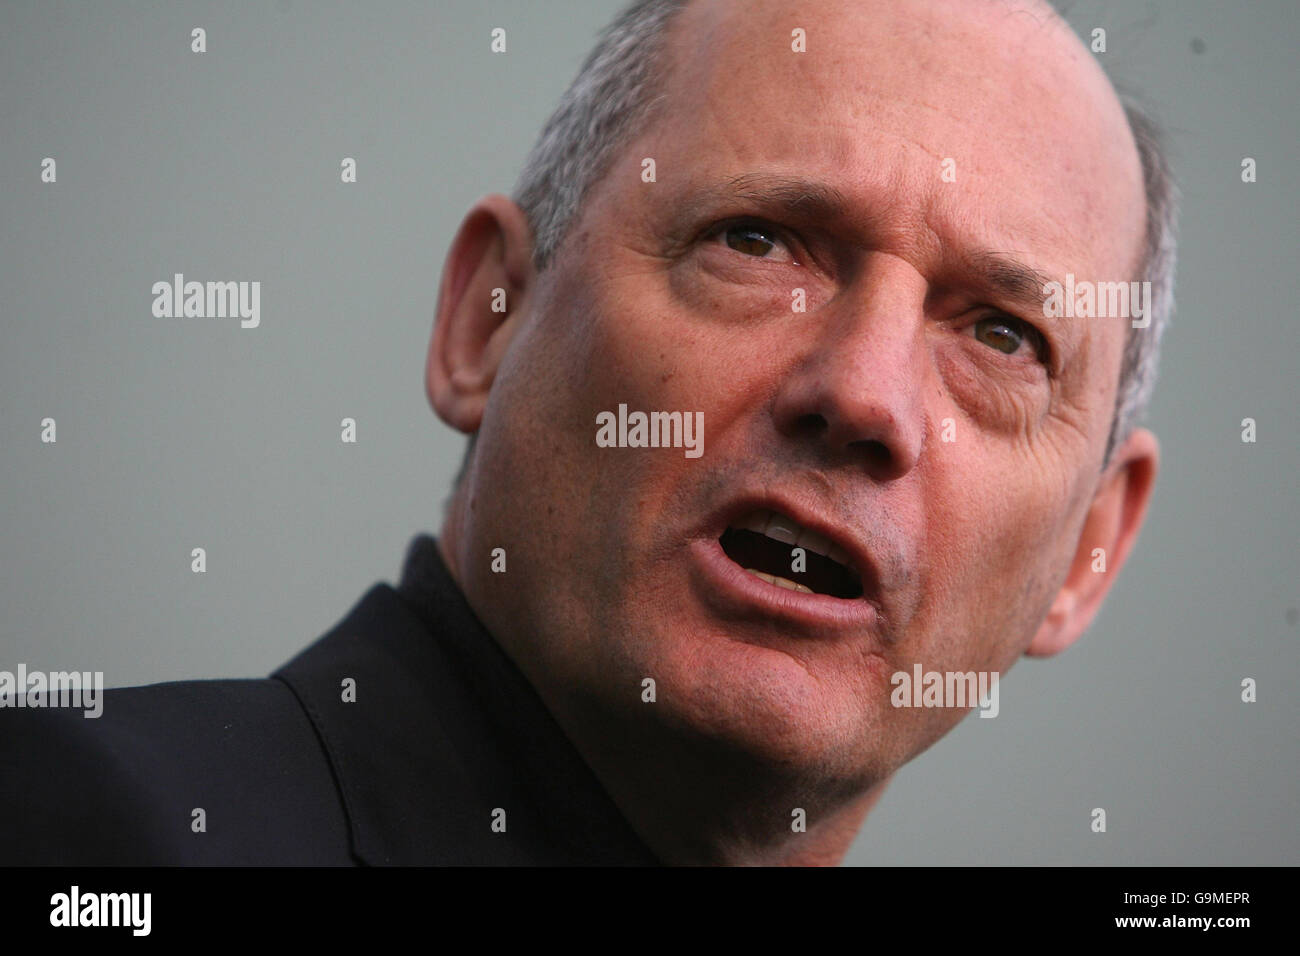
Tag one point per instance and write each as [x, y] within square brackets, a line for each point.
[762, 703]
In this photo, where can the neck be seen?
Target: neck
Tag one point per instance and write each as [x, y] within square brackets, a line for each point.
[698, 803]
[695, 802]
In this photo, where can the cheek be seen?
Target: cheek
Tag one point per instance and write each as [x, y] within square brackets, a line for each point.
[1000, 541]
[679, 340]
[1004, 502]
[595, 342]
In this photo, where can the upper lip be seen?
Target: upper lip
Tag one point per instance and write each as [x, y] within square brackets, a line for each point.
[810, 517]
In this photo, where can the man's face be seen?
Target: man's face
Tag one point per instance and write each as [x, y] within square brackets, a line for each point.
[908, 414]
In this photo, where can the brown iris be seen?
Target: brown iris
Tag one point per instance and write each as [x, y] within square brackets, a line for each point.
[750, 240]
[1003, 334]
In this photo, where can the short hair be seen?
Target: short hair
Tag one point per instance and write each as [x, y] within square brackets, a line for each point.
[618, 89]
[1141, 360]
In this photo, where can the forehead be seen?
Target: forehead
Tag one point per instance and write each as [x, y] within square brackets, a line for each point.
[1043, 164]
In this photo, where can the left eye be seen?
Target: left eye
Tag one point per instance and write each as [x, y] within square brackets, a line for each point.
[1005, 334]
[754, 239]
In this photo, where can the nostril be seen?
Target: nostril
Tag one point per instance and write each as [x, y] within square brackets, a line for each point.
[876, 453]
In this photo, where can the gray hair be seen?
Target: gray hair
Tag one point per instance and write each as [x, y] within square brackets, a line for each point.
[621, 83]
[616, 90]
[1137, 373]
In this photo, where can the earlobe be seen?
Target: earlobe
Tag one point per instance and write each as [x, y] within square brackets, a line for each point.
[1056, 633]
[485, 285]
[1108, 535]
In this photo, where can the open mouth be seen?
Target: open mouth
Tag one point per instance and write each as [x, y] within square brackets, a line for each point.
[762, 542]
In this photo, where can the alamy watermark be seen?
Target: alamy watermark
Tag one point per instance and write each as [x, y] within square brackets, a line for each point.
[1100, 300]
[208, 300]
[83, 689]
[626, 429]
[75, 908]
[962, 689]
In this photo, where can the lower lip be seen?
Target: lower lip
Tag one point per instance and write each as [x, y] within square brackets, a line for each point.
[737, 593]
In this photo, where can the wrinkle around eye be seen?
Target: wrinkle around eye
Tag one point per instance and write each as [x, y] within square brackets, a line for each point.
[996, 391]
[714, 258]
[728, 287]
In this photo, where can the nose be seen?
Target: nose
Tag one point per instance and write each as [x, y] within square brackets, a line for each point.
[857, 396]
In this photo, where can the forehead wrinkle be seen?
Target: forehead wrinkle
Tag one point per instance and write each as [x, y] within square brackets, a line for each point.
[705, 38]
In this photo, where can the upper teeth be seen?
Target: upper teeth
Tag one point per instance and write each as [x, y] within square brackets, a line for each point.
[781, 528]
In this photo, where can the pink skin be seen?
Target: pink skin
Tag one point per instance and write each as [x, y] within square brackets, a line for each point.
[973, 551]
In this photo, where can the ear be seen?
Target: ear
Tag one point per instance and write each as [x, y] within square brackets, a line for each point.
[474, 323]
[1109, 532]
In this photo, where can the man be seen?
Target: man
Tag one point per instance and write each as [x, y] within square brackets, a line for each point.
[812, 246]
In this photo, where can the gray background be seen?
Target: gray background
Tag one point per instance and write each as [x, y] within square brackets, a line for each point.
[181, 433]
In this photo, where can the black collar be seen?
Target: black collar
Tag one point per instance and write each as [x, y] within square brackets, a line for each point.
[443, 732]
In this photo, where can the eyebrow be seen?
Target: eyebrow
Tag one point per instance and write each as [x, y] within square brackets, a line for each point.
[803, 196]
[1007, 277]
[999, 274]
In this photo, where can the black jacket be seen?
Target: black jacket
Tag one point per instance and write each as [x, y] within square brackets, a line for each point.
[444, 731]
